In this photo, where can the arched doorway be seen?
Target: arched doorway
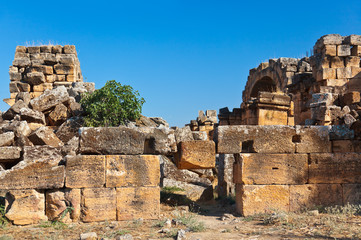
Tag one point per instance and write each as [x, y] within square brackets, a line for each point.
[265, 84]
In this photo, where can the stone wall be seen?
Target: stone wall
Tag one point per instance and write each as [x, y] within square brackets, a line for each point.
[334, 69]
[38, 68]
[290, 168]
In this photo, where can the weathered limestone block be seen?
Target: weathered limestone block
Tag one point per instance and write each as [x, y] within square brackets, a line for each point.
[16, 87]
[263, 169]
[69, 129]
[69, 49]
[50, 98]
[85, 171]
[170, 171]
[58, 200]
[196, 191]
[200, 135]
[64, 69]
[46, 49]
[272, 117]
[330, 50]
[330, 39]
[24, 96]
[98, 204]
[20, 128]
[344, 72]
[57, 49]
[159, 140]
[21, 62]
[226, 187]
[9, 153]
[6, 139]
[39, 170]
[132, 170]
[254, 199]
[35, 78]
[30, 115]
[353, 39]
[326, 73]
[259, 139]
[335, 168]
[196, 155]
[42, 87]
[58, 115]
[312, 139]
[351, 193]
[183, 134]
[138, 202]
[14, 109]
[48, 70]
[25, 207]
[352, 61]
[306, 196]
[356, 51]
[343, 50]
[112, 140]
[45, 136]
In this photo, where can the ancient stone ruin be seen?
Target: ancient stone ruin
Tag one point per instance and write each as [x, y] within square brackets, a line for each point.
[294, 143]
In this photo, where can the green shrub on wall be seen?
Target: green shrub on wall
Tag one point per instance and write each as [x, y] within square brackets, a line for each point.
[111, 106]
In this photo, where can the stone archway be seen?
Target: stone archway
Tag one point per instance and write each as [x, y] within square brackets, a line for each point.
[265, 84]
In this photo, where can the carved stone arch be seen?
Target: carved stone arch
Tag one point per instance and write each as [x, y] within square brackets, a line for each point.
[265, 84]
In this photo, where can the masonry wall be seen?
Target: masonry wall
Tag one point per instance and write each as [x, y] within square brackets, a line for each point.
[291, 168]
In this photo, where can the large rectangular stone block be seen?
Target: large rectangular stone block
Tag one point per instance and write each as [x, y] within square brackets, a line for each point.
[312, 139]
[307, 196]
[9, 153]
[272, 117]
[39, 170]
[85, 171]
[112, 140]
[255, 199]
[263, 169]
[196, 154]
[58, 200]
[335, 168]
[255, 139]
[25, 207]
[98, 204]
[132, 170]
[226, 186]
[138, 202]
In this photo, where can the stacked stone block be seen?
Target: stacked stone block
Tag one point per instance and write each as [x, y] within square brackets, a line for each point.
[202, 128]
[291, 168]
[121, 186]
[36, 69]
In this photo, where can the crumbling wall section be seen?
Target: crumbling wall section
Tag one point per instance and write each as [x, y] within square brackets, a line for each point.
[290, 168]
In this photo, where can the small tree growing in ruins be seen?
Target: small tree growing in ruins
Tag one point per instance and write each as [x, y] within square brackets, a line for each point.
[112, 105]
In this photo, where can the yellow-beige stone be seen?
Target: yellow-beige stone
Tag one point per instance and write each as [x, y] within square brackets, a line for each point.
[85, 171]
[138, 202]
[263, 169]
[307, 196]
[335, 168]
[255, 199]
[132, 170]
[98, 204]
[196, 154]
[25, 207]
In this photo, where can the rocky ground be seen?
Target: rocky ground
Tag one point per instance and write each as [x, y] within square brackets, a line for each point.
[213, 221]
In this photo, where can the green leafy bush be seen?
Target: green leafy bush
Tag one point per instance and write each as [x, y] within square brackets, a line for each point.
[112, 105]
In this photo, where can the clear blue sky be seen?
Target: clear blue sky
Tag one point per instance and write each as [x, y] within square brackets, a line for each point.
[182, 56]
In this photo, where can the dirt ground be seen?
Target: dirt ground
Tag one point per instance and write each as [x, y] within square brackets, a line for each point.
[213, 221]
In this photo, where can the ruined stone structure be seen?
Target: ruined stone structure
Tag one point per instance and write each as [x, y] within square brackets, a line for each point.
[312, 90]
[38, 68]
[295, 167]
[294, 143]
